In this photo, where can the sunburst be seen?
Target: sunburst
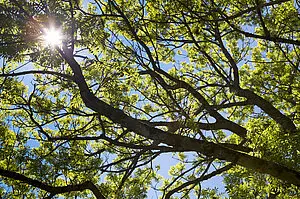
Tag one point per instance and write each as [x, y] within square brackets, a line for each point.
[52, 37]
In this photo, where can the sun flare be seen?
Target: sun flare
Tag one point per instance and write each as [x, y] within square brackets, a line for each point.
[52, 37]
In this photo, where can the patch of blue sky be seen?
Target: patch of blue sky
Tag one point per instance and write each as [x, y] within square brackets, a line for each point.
[32, 142]
[167, 160]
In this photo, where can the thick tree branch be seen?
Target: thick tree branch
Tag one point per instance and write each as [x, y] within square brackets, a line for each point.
[221, 124]
[286, 123]
[51, 189]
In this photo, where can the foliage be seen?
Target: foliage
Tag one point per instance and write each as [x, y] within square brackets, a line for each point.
[213, 83]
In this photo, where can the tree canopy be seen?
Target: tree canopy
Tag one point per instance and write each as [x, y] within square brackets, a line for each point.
[213, 83]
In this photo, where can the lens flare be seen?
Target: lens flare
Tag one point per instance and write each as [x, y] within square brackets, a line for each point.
[52, 37]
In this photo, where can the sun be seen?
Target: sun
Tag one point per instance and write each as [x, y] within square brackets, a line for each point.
[52, 37]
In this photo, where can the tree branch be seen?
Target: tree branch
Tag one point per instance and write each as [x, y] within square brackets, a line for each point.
[286, 123]
[201, 178]
[66, 76]
[51, 189]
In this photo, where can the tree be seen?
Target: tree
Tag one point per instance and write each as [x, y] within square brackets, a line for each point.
[215, 83]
